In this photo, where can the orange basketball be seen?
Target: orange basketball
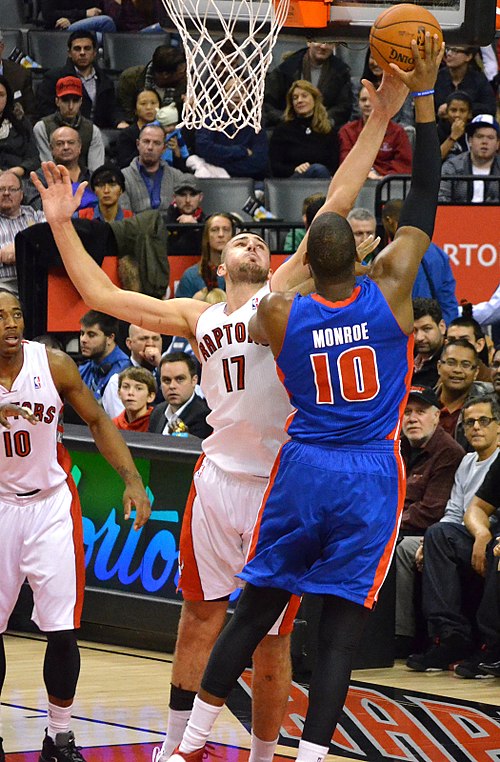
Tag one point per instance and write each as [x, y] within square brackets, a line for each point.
[393, 31]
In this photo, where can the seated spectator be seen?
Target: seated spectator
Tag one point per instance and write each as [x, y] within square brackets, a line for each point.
[145, 349]
[132, 15]
[68, 104]
[481, 159]
[304, 144]
[488, 313]
[240, 152]
[431, 458]
[364, 227]
[99, 101]
[66, 148]
[150, 181]
[165, 74]
[183, 410]
[136, 390]
[429, 331]
[185, 209]
[97, 344]
[461, 72]
[17, 145]
[108, 184]
[13, 218]
[454, 556]
[395, 154]
[458, 368]
[218, 230]
[295, 236]
[19, 81]
[80, 16]
[147, 104]
[470, 330]
[452, 125]
[373, 73]
[435, 279]
[321, 67]
[176, 151]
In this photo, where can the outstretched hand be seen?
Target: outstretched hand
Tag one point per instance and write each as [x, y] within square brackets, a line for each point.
[427, 62]
[59, 203]
[390, 95]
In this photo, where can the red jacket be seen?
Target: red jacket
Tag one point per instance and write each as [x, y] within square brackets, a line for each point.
[141, 424]
[395, 155]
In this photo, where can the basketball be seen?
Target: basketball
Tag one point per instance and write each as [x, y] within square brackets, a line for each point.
[393, 31]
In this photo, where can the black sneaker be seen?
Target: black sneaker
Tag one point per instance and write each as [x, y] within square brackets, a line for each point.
[472, 669]
[439, 656]
[491, 668]
[2, 753]
[63, 750]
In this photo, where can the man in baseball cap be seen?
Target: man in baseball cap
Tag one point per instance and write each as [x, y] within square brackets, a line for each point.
[185, 209]
[69, 86]
[483, 134]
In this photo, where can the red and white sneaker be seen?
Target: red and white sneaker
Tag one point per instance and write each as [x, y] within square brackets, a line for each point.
[179, 756]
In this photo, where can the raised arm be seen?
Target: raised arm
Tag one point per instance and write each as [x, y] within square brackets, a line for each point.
[352, 173]
[395, 268]
[176, 316]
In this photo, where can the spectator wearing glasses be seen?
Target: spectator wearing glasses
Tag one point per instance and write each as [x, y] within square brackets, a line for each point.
[458, 369]
[462, 73]
[14, 217]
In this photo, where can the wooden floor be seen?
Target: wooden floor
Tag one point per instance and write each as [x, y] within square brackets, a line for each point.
[391, 714]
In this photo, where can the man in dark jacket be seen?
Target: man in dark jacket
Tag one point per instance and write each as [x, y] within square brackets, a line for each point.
[326, 71]
[99, 102]
[183, 411]
[19, 80]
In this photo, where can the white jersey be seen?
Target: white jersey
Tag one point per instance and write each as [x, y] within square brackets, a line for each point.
[249, 404]
[28, 453]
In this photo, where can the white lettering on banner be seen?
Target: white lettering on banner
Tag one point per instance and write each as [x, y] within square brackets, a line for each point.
[468, 254]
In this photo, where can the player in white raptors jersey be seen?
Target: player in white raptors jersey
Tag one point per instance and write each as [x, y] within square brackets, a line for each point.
[41, 535]
[216, 523]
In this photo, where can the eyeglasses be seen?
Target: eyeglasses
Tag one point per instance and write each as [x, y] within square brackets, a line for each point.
[457, 50]
[10, 189]
[452, 363]
[483, 422]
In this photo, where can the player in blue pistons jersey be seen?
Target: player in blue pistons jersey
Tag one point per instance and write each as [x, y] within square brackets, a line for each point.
[329, 518]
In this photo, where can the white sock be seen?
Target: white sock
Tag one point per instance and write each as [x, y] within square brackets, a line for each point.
[59, 719]
[176, 725]
[311, 752]
[199, 726]
[262, 751]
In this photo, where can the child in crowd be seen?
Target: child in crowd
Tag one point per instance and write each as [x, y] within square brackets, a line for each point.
[137, 390]
[451, 126]
[176, 151]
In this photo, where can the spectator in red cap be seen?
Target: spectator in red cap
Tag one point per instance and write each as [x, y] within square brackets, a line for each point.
[68, 101]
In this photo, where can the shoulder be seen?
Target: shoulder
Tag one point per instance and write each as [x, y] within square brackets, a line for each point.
[337, 65]
[446, 447]
[63, 369]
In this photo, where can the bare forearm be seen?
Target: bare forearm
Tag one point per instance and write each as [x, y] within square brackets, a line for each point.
[478, 523]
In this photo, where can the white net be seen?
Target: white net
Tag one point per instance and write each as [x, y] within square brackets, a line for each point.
[229, 47]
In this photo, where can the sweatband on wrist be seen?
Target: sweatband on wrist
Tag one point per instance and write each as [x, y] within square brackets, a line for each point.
[420, 93]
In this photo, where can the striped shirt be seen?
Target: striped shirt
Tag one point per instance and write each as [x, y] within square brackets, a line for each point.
[9, 227]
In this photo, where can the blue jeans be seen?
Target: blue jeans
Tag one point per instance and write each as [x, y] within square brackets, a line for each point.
[315, 170]
[96, 24]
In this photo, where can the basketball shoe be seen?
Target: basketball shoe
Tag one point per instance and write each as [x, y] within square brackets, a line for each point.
[179, 756]
[62, 750]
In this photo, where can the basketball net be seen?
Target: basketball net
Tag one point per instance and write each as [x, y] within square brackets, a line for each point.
[227, 59]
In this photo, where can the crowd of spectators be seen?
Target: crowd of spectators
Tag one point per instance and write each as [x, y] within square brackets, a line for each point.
[313, 113]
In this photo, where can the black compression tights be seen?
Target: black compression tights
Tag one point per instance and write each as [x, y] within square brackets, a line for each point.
[341, 626]
[62, 664]
[3, 667]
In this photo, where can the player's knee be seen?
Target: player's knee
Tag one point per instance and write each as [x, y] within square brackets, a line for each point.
[63, 641]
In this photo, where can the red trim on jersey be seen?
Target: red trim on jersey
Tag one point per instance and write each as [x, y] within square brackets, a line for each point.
[189, 580]
[395, 433]
[64, 460]
[286, 624]
[350, 299]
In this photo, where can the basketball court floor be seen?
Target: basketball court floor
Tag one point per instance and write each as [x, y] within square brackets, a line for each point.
[119, 715]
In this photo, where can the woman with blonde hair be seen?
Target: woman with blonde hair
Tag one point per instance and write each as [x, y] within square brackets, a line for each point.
[218, 230]
[304, 144]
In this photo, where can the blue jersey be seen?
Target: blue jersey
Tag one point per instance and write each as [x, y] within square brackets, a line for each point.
[347, 367]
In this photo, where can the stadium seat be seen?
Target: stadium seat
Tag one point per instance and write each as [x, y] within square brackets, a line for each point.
[229, 195]
[122, 49]
[110, 140]
[284, 197]
[12, 38]
[48, 48]
[13, 12]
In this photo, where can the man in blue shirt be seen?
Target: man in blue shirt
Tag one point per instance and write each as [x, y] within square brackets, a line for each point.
[97, 343]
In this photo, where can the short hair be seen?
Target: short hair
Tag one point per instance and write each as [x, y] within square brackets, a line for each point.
[80, 34]
[392, 208]
[361, 214]
[468, 322]
[460, 343]
[330, 247]
[107, 324]
[10, 172]
[423, 307]
[315, 203]
[167, 59]
[65, 127]
[141, 375]
[48, 340]
[107, 173]
[489, 399]
[180, 357]
[151, 125]
[459, 95]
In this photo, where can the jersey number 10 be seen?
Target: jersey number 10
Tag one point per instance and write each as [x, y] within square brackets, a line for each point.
[357, 373]
[18, 443]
